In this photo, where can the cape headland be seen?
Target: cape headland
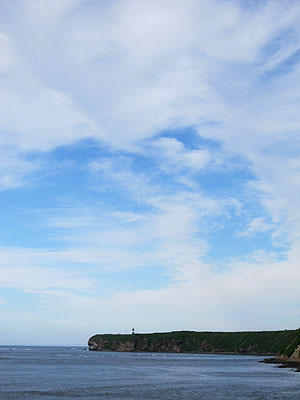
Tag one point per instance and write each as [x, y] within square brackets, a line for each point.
[284, 343]
[289, 356]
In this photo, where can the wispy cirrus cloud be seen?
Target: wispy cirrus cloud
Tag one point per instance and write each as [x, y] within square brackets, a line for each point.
[16, 170]
[140, 85]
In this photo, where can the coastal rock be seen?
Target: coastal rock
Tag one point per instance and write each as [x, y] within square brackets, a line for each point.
[296, 355]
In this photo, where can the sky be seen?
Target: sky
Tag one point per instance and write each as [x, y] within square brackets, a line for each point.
[150, 169]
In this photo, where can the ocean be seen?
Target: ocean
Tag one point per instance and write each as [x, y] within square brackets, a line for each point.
[57, 373]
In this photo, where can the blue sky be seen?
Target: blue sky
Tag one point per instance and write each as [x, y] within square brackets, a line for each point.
[149, 171]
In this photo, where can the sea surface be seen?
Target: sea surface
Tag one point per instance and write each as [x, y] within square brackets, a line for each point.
[57, 373]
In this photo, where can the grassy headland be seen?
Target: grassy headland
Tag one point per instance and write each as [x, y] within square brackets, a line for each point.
[260, 342]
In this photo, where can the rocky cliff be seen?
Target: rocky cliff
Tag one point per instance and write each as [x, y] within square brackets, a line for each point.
[263, 342]
[292, 351]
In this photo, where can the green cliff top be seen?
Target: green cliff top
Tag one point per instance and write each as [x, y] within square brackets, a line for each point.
[260, 342]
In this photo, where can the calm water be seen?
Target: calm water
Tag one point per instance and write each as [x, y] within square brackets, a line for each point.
[72, 373]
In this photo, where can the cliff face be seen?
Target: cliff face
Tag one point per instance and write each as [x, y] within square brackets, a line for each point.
[296, 355]
[140, 344]
[266, 342]
[292, 351]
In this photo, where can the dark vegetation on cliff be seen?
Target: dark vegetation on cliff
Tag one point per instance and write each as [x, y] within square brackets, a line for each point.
[262, 342]
[291, 347]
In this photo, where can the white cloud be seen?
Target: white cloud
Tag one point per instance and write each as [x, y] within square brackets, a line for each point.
[130, 67]
[257, 225]
[203, 299]
[125, 72]
[16, 170]
[40, 278]
[175, 157]
[37, 118]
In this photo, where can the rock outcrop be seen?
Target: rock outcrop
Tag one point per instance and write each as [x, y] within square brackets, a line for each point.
[292, 351]
[296, 355]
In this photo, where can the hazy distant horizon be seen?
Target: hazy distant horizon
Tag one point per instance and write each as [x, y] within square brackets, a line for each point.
[10, 345]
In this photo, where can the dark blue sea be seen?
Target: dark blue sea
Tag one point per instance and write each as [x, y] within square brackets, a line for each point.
[57, 373]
